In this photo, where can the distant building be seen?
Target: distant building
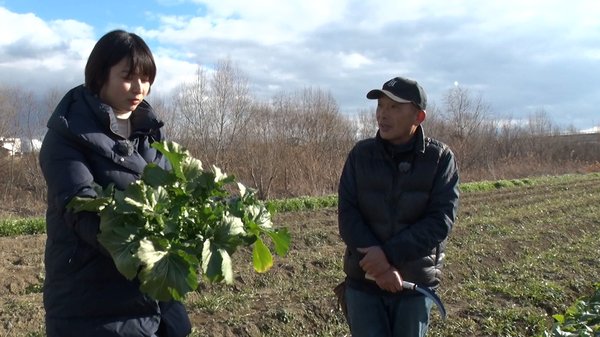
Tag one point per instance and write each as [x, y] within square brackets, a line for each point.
[18, 146]
[595, 129]
[30, 145]
[10, 146]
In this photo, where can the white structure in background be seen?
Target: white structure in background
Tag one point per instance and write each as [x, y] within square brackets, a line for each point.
[18, 146]
[30, 145]
[595, 129]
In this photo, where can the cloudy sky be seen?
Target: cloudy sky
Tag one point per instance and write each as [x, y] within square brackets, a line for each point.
[520, 56]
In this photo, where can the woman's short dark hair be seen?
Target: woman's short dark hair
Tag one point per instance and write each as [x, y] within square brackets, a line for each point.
[110, 50]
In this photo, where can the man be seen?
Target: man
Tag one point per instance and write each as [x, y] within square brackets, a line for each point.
[398, 198]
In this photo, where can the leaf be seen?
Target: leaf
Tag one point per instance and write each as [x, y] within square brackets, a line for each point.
[216, 263]
[166, 275]
[232, 225]
[261, 257]
[82, 204]
[281, 238]
[204, 186]
[242, 189]
[191, 168]
[219, 175]
[121, 243]
[228, 233]
[264, 219]
[559, 318]
[175, 154]
[129, 201]
[155, 176]
[148, 254]
[144, 200]
[163, 200]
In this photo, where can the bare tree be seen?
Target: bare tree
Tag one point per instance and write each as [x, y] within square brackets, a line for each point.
[9, 111]
[435, 125]
[318, 138]
[261, 151]
[189, 120]
[464, 112]
[211, 112]
[366, 124]
[230, 104]
[539, 123]
[166, 112]
[467, 116]
[21, 119]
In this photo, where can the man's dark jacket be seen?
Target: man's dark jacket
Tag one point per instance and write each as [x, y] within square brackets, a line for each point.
[84, 293]
[403, 198]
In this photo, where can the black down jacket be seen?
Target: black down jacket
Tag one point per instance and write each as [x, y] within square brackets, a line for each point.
[402, 198]
[84, 293]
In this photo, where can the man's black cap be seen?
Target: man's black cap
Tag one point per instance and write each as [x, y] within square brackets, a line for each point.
[401, 90]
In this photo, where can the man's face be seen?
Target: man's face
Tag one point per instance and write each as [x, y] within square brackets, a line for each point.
[124, 92]
[397, 121]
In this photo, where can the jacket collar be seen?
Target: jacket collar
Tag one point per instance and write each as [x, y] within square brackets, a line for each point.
[416, 144]
[78, 109]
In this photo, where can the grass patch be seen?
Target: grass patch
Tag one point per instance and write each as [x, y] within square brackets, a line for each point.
[12, 227]
[303, 203]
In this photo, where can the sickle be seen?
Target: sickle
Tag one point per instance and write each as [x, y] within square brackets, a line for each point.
[423, 290]
[429, 293]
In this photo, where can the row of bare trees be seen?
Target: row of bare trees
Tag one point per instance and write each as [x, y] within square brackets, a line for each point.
[296, 142]
[292, 145]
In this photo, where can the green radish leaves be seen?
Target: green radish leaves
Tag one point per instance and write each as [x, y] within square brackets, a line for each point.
[174, 226]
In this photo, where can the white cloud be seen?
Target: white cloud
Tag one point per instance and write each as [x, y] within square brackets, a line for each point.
[265, 22]
[10, 20]
[290, 15]
[520, 55]
[37, 52]
[35, 32]
[353, 60]
[171, 73]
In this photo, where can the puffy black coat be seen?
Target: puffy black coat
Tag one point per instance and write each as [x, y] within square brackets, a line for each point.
[403, 199]
[84, 293]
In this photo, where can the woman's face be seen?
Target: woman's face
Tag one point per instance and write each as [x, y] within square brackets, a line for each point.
[124, 92]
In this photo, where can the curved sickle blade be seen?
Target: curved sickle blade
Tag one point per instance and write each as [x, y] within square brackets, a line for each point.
[429, 293]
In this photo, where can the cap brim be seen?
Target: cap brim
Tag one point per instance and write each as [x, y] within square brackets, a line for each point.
[377, 93]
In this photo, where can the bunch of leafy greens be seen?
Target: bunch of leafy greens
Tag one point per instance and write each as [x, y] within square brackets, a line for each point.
[172, 224]
[582, 318]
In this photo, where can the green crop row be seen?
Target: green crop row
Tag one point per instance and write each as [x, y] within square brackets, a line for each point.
[582, 318]
[12, 227]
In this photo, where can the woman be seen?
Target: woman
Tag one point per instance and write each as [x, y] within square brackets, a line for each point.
[100, 133]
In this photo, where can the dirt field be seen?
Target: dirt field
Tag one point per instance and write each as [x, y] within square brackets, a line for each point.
[257, 301]
[543, 238]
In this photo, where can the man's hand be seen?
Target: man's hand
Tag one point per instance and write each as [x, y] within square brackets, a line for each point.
[390, 280]
[374, 262]
[377, 268]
